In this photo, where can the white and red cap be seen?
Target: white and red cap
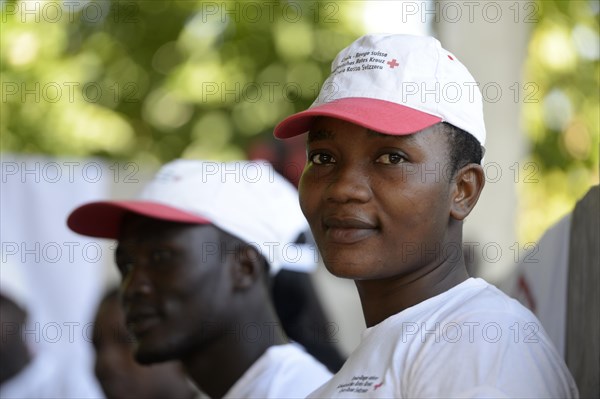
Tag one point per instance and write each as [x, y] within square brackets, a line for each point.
[397, 85]
[247, 199]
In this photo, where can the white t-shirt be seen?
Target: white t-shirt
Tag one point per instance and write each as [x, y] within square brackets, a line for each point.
[283, 371]
[470, 341]
[540, 281]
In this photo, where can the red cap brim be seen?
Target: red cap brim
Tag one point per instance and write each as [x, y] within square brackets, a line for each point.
[378, 115]
[102, 219]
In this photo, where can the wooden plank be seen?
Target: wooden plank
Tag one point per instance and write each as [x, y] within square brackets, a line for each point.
[583, 302]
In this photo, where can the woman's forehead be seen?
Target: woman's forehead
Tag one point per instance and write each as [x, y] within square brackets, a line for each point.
[332, 129]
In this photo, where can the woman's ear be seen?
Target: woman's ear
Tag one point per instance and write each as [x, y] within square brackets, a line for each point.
[468, 183]
[247, 267]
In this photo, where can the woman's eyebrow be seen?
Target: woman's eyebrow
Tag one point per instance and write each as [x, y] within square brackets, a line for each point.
[320, 134]
[323, 134]
[404, 138]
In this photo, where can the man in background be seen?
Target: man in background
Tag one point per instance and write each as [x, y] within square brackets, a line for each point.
[195, 253]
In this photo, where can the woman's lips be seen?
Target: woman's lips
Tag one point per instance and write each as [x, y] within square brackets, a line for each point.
[348, 230]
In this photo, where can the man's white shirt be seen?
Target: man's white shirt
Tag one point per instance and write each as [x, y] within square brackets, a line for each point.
[283, 371]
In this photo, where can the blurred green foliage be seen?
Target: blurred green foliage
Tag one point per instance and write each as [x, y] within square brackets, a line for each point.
[150, 81]
[564, 126]
[156, 80]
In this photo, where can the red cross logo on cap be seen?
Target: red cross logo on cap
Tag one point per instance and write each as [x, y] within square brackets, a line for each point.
[392, 63]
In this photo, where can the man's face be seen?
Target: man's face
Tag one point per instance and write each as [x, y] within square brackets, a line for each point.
[118, 373]
[175, 291]
[378, 205]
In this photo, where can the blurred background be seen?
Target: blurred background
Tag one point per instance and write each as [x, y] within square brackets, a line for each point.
[150, 81]
[96, 95]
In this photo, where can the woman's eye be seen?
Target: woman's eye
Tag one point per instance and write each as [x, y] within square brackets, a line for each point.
[391, 158]
[320, 158]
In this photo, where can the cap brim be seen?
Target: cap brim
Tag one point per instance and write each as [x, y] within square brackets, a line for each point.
[378, 115]
[102, 219]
